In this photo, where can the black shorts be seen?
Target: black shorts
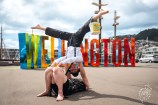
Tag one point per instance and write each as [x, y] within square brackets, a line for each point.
[69, 87]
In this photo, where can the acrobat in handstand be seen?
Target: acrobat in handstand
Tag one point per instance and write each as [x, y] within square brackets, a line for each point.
[55, 77]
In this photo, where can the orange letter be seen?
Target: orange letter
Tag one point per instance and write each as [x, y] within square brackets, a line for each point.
[44, 52]
[63, 47]
[52, 50]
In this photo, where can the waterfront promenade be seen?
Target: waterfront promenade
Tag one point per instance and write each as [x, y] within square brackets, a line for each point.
[109, 86]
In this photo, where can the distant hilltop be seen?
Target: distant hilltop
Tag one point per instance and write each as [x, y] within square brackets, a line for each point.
[151, 34]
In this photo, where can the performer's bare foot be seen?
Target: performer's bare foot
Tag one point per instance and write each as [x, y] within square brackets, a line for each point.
[38, 27]
[43, 94]
[60, 97]
[102, 12]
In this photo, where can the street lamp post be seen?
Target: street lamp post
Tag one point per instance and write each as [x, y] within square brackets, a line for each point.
[1, 44]
[115, 22]
[99, 5]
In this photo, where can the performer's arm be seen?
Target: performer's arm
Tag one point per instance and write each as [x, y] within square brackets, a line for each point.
[57, 33]
[85, 28]
[84, 76]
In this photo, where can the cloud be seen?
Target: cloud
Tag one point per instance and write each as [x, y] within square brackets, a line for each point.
[134, 13]
[15, 13]
[11, 43]
[69, 15]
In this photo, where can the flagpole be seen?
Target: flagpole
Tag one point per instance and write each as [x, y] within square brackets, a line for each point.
[1, 44]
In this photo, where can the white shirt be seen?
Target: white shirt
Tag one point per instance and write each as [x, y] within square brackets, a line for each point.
[70, 56]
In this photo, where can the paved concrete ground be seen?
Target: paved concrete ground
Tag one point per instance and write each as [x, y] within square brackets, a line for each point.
[110, 86]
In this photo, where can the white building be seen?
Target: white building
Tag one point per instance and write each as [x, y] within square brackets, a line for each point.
[150, 51]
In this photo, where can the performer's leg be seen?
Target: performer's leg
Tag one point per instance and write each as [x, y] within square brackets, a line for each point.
[60, 78]
[48, 80]
[85, 28]
[54, 32]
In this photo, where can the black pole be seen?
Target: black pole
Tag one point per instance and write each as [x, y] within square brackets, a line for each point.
[100, 31]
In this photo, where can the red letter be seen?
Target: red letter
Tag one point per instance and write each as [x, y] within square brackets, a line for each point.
[127, 52]
[114, 52]
[105, 41]
[92, 53]
[85, 53]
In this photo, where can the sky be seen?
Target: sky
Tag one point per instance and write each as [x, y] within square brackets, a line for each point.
[17, 16]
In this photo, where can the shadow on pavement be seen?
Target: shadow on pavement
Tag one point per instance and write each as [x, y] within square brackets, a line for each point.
[89, 95]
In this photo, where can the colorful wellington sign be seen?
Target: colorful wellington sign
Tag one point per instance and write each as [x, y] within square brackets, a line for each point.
[33, 53]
